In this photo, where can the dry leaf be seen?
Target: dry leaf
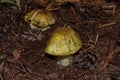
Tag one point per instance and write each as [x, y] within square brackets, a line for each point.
[16, 53]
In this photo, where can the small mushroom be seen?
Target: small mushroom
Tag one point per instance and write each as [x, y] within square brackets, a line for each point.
[40, 19]
[63, 43]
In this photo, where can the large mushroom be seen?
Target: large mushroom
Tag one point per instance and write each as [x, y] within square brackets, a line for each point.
[63, 43]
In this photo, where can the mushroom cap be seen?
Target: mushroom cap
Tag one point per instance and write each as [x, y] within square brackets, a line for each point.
[40, 18]
[28, 17]
[64, 41]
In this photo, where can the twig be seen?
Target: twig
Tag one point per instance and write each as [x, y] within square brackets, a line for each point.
[96, 39]
[1, 78]
[63, 1]
[18, 4]
[21, 67]
[93, 45]
[75, 14]
[109, 8]
[97, 36]
[49, 7]
[1, 67]
[108, 24]
[95, 77]
[29, 70]
[110, 55]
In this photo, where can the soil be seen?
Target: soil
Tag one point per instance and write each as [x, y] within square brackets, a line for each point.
[98, 27]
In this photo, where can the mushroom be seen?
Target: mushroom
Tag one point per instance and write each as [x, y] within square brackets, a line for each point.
[64, 42]
[40, 19]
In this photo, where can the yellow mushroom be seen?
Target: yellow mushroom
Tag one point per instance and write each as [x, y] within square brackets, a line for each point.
[63, 43]
[40, 19]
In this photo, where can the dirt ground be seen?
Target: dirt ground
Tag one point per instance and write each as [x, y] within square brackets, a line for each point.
[96, 21]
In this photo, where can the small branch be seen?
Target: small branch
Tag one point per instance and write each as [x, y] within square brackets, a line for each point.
[110, 55]
[50, 8]
[1, 77]
[108, 24]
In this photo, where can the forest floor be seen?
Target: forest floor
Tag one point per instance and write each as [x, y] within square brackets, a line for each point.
[97, 22]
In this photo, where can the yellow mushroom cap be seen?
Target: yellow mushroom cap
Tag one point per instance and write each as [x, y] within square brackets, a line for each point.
[64, 41]
[29, 16]
[40, 18]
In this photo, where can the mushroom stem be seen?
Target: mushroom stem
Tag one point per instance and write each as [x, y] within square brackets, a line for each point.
[64, 60]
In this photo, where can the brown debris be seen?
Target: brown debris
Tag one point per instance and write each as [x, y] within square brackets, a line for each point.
[16, 53]
[68, 1]
[109, 8]
[22, 55]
